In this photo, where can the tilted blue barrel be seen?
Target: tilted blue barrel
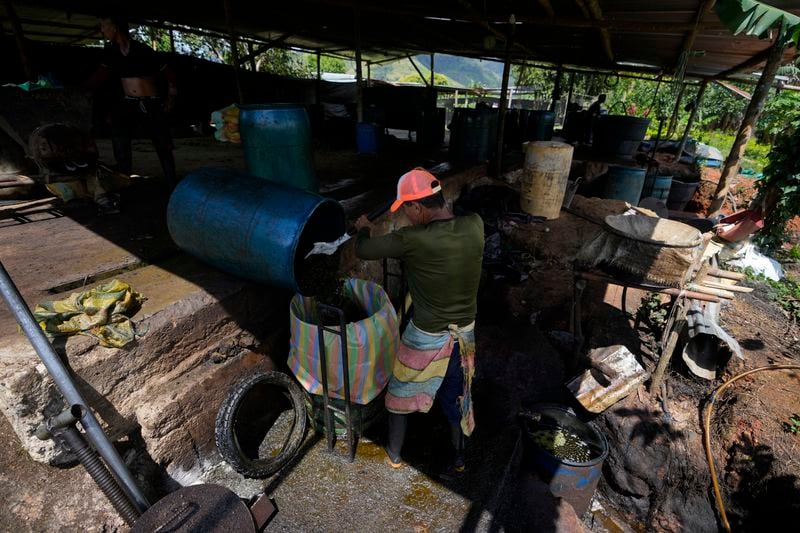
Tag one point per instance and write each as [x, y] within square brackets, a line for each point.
[248, 226]
[624, 183]
[277, 144]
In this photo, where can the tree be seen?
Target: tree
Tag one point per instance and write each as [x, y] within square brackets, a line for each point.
[761, 20]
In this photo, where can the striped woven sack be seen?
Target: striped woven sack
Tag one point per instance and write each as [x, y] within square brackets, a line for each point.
[371, 344]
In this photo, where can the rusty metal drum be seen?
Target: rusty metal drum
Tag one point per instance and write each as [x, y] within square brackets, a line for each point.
[544, 178]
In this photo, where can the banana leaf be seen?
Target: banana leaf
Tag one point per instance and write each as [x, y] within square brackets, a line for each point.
[757, 18]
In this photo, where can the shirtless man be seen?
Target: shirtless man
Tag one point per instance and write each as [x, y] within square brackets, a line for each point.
[138, 68]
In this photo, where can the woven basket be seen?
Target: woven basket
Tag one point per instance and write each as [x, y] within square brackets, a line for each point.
[643, 248]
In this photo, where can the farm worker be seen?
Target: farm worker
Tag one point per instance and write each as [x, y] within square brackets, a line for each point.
[597, 106]
[442, 256]
[139, 69]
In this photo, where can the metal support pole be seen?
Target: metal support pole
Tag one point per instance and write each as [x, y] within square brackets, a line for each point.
[697, 101]
[673, 121]
[61, 376]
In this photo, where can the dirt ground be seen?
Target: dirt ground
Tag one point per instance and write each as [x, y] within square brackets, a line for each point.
[525, 357]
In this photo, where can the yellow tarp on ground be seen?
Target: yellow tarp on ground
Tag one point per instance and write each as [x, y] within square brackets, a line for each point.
[100, 312]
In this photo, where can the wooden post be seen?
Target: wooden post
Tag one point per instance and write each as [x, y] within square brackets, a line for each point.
[571, 87]
[317, 96]
[501, 118]
[359, 91]
[751, 115]
[172, 41]
[234, 48]
[369, 72]
[556, 89]
[432, 78]
[697, 101]
[673, 121]
[19, 37]
[252, 57]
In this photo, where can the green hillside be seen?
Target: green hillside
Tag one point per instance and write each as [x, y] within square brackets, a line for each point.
[458, 71]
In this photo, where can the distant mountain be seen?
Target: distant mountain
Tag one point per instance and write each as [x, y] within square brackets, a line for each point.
[464, 72]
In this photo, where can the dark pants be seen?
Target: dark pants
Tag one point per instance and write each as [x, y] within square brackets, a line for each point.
[446, 397]
[149, 113]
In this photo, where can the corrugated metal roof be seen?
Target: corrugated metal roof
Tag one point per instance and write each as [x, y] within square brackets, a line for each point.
[620, 35]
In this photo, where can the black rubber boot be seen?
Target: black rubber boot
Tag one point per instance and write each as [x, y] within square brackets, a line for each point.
[457, 441]
[397, 434]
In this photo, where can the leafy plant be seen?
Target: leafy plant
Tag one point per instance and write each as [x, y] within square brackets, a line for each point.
[793, 425]
[757, 18]
[779, 190]
[653, 312]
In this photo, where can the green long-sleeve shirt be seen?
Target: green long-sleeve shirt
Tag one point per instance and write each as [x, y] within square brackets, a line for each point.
[443, 267]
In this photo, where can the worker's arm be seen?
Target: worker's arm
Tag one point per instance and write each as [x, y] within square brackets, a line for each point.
[368, 247]
[172, 86]
[100, 76]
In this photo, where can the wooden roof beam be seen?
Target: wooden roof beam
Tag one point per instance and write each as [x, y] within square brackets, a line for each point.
[591, 10]
[750, 63]
[548, 8]
[688, 43]
[263, 48]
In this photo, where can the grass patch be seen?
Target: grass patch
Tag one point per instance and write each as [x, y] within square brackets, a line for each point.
[755, 155]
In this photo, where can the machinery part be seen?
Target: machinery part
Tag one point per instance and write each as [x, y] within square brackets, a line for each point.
[61, 376]
[206, 508]
[61, 428]
[245, 418]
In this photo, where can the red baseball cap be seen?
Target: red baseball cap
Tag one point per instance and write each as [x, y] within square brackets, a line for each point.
[413, 185]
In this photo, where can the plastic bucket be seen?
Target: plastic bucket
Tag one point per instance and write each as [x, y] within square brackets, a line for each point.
[618, 135]
[680, 193]
[624, 183]
[575, 482]
[276, 139]
[248, 226]
[544, 178]
[366, 138]
[656, 186]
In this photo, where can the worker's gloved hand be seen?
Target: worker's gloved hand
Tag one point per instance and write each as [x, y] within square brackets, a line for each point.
[363, 222]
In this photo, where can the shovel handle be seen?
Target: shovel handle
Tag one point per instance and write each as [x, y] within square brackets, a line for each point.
[375, 213]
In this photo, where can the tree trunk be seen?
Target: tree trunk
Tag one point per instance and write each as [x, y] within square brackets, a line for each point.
[757, 102]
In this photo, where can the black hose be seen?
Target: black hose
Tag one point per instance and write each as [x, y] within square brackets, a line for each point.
[71, 439]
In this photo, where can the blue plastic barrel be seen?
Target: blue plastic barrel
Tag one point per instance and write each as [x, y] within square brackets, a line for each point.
[473, 135]
[657, 186]
[277, 144]
[248, 226]
[366, 138]
[624, 183]
[540, 125]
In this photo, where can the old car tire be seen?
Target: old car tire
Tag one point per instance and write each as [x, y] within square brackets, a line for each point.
[237, 426]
